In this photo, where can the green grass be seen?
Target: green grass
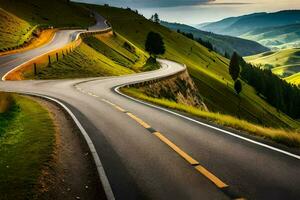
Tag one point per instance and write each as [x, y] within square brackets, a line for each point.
[19, 18]
[100, 55]
[288, 138]
[208, 69]
[283, 63]
[83, 62]
[26, 144]
[13, 30]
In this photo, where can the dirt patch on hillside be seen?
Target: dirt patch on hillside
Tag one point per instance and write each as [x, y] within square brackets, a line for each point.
[179, 88]
[71, 173]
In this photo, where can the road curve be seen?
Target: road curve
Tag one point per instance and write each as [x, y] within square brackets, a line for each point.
[174, 159]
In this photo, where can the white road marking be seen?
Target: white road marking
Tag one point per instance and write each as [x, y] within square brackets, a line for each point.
[117, 90]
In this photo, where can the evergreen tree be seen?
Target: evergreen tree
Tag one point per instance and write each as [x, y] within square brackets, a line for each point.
[154, 44]
[238, 86]
[156, 18]
[234, 67]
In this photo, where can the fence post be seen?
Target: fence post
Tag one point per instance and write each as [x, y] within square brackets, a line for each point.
[57, 57]
[49, 60]
[62, 51]
[34, 69]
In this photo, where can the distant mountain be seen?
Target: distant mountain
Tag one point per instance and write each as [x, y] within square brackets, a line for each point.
[221, 43]
[276, 37]
[237, 26]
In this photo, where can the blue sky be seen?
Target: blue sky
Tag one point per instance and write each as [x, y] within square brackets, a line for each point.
[199, 11]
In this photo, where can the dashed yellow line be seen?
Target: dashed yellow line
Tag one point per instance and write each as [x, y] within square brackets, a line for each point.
[187, 157]
[219, 183]
[211, 177]
[120, 109]
[141, 122]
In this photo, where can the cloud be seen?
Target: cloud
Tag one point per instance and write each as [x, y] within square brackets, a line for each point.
[148, 3]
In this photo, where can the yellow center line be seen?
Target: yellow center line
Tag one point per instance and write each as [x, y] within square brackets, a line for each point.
[110, 103]
[141, 122]
[119, 108]
[188, 158]
[184, 155]
[211, 177]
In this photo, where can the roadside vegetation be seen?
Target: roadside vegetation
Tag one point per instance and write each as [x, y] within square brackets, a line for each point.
[26, 144]
[108, 54]
[208, 69]
[285, 137]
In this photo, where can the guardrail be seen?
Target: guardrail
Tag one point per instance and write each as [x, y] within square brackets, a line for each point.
[50, 57]
[149, 81]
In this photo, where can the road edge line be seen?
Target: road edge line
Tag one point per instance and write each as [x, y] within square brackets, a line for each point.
[117, 90]
[100, 169]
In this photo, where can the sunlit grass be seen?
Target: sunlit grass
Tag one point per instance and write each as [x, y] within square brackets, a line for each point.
[286, 137]
[208, 69]
[26, 144]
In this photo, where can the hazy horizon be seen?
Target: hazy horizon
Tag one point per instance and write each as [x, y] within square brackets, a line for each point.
[200, 11]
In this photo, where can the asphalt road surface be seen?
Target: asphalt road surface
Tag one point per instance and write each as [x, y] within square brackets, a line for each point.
[150, 153]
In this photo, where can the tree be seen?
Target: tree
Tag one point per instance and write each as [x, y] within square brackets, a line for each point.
[238, 86]
[238, 90]
[156, 18]
[154, 44]
[234, 66]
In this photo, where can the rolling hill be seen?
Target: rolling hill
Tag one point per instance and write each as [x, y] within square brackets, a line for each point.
[208, 69]
[20, 18]
[221, 43]
[270, 29]
[285, 63]
[276, 37]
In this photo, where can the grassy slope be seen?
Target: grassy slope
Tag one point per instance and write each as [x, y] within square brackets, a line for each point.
[13, 30]
[284, 63]
[221, 43]
[208, 69]
[21, 16]
[26, 143]
[291, 139]
[102, 55]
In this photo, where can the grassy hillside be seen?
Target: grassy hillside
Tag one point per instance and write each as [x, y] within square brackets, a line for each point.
[13, 30]
[276, 37]
[101, 55]
[208, 69]
[19, 18]
[221, 43]
[294, 79]
[26, 144]
[284, 63]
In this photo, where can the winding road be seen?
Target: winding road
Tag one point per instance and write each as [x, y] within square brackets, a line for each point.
[147, 152]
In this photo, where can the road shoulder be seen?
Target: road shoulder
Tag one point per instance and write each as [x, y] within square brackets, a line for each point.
[71, 173]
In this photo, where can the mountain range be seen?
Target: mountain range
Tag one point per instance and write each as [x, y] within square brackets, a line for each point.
[274, 30]
[221, 43]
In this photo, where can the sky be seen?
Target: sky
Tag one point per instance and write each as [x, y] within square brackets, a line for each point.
[199, 11]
